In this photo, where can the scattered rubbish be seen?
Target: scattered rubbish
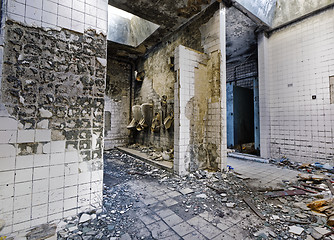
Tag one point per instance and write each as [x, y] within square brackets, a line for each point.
[312, 177]
[230, 167]
[203, 193]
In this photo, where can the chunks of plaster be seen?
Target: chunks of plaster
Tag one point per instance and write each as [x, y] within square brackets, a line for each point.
[44, 124]
[102, 61]
[84, 218]
[45, 113]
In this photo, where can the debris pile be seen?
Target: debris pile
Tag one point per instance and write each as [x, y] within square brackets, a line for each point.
[157, 154]
[300, 210]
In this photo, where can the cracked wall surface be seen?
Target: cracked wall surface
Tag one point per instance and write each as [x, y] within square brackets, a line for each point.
[51, 111]
[199, 103]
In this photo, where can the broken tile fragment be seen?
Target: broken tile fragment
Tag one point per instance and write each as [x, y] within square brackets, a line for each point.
[186, 191]
[296, 230]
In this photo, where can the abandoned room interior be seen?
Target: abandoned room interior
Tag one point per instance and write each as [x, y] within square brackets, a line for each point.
[184, 119]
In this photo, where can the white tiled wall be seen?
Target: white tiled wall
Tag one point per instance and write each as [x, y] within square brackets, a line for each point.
[299, 61]
[77, 15]
[47, 186]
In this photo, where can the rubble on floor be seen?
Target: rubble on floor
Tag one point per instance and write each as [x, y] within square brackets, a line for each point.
[157, 154]
[142, 202]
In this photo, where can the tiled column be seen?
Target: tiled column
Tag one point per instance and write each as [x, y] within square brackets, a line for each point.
[264, 100]
[183, 93]
[223, 128]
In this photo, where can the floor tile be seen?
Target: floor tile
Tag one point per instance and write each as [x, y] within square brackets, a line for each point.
[183, 229]
[173, 220]
[194, 235]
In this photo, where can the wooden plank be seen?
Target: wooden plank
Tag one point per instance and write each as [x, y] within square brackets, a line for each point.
[304, 189]
[313, 187]
[286, 193]
[297, 222]
[219, 191]
[255, 210]
[329, 184]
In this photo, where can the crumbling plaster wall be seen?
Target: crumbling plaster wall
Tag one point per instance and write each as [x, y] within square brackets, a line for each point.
[200, 140]
[51, 110]
[160, 76]
[117, 103]
[296, 116]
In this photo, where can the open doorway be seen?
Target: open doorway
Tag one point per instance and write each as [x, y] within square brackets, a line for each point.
[242, 107]
[242, 102]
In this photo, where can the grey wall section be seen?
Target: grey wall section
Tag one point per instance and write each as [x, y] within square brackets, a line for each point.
[275, 13]
[287, 10]
[240, 38]
[117, 103]
[262, 9]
